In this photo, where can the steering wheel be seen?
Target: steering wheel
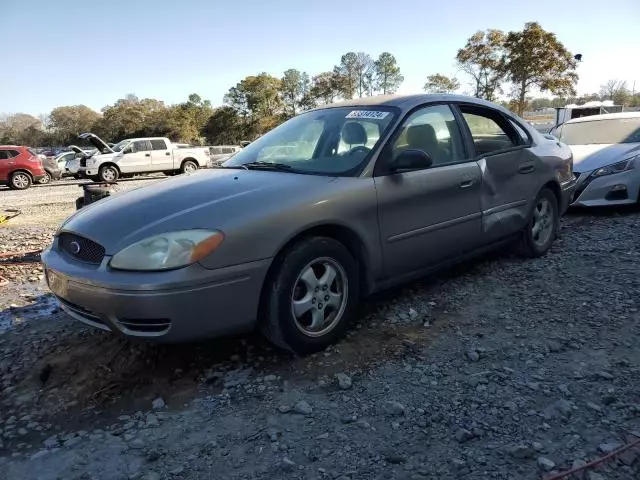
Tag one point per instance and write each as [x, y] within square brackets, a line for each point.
[359, 148]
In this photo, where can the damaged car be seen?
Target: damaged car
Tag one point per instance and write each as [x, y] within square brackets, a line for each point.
[606, 158]
[362, 195]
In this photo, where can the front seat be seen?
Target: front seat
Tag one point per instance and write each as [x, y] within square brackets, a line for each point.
[423, 137]
[353, 133]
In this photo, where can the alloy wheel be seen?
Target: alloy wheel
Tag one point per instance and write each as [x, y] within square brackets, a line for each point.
[320, 296]
[543, 218]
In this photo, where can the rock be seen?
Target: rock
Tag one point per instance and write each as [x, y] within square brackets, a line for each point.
[39, 454]
[473, 355]
[270, 378]
[578, 464]
[522, 452]
[284, 408]
[605, 375]
[545, 464]
[52, 442]
[609, 447]
[393, 457]
[151, 420]
[554, 347]
[303, 408]
[151, 475]
[393, 408]
[537, 446]
[594, 476]
[177, 471]
[344, 381]
[158, 403]
[463, 435]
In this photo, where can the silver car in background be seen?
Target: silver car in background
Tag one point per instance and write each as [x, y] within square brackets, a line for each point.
[606, 158]
[331, 206]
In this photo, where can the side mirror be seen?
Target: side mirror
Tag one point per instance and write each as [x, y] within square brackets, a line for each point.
[411, 160]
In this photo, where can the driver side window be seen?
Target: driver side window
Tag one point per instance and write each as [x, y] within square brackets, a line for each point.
[434, 131]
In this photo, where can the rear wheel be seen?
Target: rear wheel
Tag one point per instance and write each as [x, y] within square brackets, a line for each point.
[542, 228]
[20, 181]
[108, 174]
[189, 166]
[311, 296]
[46, 178]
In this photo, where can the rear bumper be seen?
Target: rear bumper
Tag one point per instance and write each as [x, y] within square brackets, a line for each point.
[37, 178]
[190, 304]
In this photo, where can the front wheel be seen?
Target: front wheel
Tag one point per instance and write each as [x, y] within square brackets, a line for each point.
[542, 228]
[189, 166]
[311, 296]
[46, 178]
[20, 181]
[108, 174]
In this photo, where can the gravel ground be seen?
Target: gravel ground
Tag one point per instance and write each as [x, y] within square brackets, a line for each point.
[497, 369]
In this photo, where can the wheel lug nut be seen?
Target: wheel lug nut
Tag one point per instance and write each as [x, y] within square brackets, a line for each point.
[319, 306]
[313, 300]
[324, 289]
[326, 298]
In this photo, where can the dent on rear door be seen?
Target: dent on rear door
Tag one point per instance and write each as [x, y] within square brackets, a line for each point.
[507, 182]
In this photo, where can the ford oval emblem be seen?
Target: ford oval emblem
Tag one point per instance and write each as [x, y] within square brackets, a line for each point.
[75, 247]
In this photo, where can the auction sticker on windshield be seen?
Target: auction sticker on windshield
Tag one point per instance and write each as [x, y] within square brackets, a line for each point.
[372, 114]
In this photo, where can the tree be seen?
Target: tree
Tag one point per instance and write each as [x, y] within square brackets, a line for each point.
[617, 91]
[364, 70]
[481, 59]
[68, 122]
[292, 90]
[325, 88]
[224, 127]
[438, 83]
[185, 121]
[22, 129]
[346, 75]
[387, 74]
[133, 117]
[534, 57]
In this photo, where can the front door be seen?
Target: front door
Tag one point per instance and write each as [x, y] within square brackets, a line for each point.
[428, 216]
[137, 157]
[510, 172]
[161, 158]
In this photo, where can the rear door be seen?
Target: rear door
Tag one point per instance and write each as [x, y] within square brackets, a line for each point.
[510, 171]
[137, 157]
[4, 165]
[161, 158]
[432, 215]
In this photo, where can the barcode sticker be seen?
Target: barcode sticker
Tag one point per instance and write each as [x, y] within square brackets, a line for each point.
[371, 114]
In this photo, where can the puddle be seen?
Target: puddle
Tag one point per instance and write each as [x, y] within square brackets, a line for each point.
[28, 307]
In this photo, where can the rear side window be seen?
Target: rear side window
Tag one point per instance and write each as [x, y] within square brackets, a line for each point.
[158, 145]
[4, 154]
[15, 153]
[216, 150]
[141, 146]
[490, 131]
[228, 150]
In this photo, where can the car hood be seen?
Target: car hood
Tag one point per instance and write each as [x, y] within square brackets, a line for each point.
[209, 199]
[591, 157]
[97, 142]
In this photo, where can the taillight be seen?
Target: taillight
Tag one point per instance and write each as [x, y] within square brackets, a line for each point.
[35, 159]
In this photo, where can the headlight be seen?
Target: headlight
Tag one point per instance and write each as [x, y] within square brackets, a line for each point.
[168, 250]
[616, 167]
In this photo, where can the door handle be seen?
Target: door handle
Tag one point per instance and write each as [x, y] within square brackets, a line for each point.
[466, 183]
[147, 154]
[526, 169]
[167, 153]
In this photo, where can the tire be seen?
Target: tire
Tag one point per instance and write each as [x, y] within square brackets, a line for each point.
[20, 181]
[46, 179]
[108, 174]
[285, 287]
[534, 244]
[188, 166]
[79, 203]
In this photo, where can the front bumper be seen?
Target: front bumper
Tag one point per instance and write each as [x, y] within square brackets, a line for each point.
[182, 305]
[617, 189]
[567, 191]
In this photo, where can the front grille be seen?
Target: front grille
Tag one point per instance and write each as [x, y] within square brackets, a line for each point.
[81, 248]
[83, 162]
[83, 312]
[145, 325]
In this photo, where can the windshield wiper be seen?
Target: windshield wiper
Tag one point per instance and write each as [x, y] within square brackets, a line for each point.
[283, 167]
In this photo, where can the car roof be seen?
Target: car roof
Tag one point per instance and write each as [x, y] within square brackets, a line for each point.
[408, 102]
[605, 116]
[11, 146]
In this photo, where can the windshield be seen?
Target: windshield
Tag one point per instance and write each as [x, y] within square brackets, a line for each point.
[331, 141]
[604, 132]
[118, 147]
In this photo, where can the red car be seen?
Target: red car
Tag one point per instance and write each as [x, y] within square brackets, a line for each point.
[20, 167]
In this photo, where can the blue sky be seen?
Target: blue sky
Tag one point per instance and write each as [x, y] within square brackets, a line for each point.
[69, 52]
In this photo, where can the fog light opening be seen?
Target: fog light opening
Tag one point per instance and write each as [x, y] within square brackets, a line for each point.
[617, 192]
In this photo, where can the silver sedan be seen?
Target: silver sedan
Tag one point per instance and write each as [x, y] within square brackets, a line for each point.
[606, 155]
[331, 206]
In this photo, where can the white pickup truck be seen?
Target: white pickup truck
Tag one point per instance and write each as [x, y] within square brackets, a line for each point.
[139, 155]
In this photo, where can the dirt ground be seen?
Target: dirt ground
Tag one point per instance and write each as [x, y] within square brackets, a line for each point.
[500, 368]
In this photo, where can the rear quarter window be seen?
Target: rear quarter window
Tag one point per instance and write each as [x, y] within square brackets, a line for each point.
[158, 144]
